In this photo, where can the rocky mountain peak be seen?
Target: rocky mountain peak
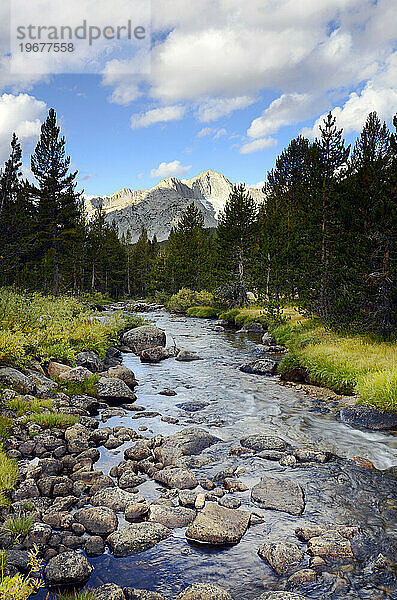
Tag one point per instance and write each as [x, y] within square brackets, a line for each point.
[160, 208]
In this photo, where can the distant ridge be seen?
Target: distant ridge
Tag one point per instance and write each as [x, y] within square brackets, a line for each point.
[160, 208]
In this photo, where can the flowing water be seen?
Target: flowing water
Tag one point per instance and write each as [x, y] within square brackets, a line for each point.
[239, 404]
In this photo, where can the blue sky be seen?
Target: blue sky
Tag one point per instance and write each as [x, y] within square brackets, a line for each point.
[226, 94]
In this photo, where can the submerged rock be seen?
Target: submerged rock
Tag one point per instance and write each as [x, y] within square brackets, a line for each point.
[218, 525]
[134, 594]
[109, 591]
[158, 353]
[192, 406]
[167, 392]
[330, 545]
[68, 568]
[116, 499]
[279, 494]
[177, 477]
[252, 328]
[263, 442]
[369, 417]
[187, 356]
[171, 516]
[204, 591]
[263, 366]
[144, 337]
[281, 556]
[100, 520]
[281, 595]
[189, 441]
[136, 537]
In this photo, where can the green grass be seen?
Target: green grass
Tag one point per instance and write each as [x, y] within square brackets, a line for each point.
[6, 425]
[44, 327]
[79, 388]
[8, 477]
[203, 312]
[18, 525]
[347, 364]
[245, 316]
[22, 407]
[52, 420]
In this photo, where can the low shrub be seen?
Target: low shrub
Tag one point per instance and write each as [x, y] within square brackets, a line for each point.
[186, 298]
[44, 327]
[21, 587]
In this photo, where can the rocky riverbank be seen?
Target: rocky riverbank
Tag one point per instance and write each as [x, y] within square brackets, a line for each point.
[298, 501]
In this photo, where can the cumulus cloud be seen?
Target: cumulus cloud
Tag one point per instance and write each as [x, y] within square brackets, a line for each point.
[353, 114]
[214, 109]
[285, 110]
[22, 114]
[258, 145]
[171, 169]
[158, 115]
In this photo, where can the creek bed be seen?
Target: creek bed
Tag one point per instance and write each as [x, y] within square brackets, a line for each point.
[238, 405]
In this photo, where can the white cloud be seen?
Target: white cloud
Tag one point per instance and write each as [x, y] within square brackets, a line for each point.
[205, 131]
[258, 145]
[158, 115]
[212, 131]
[22, 114]
[285, 110]
[353, 114]
[220, 133]
[171, 169]
[214, 109]
[222, 63]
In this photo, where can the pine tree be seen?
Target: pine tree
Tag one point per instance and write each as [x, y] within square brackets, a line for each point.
[235, 243]
[58, 202]
[288, 225]
[16, 217]
[333, 158]
[140, 264]
[372, 204]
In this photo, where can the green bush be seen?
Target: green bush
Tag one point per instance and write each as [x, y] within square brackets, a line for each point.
[186, 298]
[21, 587]
[44, 327]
